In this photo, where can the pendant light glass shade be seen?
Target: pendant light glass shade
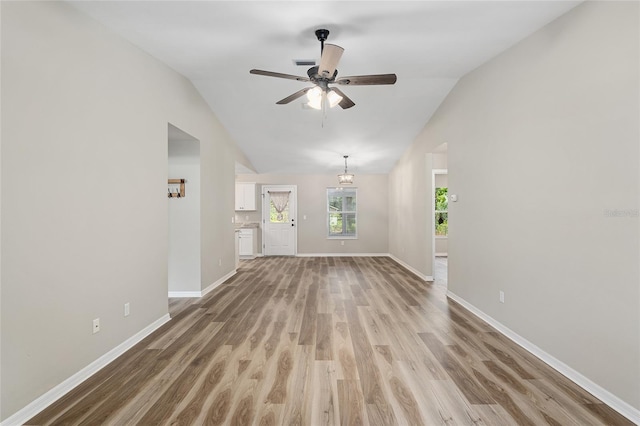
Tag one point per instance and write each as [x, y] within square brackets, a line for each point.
[333, 98]
[315, 98]
[345, 178]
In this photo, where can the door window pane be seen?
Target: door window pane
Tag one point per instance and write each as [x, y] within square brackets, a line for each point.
[275, 217]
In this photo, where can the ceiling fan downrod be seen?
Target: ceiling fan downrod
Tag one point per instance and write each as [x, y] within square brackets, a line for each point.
[322, 35]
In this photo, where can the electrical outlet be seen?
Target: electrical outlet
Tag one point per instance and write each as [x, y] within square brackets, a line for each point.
[127, 310]
[219, 262]
[501, 296]
[96, 325]
[341, 243]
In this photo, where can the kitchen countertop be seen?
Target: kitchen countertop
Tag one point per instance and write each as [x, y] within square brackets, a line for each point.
[247, 225]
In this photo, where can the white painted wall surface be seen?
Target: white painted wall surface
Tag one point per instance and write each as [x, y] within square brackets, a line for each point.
[84, 193]
[553, 124]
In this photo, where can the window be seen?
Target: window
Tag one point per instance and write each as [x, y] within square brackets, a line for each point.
[279, 206]
[442, 214]
[341, 212]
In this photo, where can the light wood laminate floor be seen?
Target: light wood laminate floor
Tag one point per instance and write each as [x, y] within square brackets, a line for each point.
[327, 341]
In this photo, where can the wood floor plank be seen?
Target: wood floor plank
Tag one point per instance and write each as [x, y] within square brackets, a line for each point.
[242, 330]
[529, 396]
[308, 326]
[343, 352]
[324, 404]
[351, 403]
[505, 400]
[327, 341]
[96, 399]
[607, 415]
[191, 412]
[324, 345]
[432, 411]
[375, 329]
[378, 408]
[297, 407]
[468, 385]
[278, 393]
[166, 340]
[458, 409]
[564, 402]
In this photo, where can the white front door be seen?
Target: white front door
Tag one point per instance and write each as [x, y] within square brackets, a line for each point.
[279, 221]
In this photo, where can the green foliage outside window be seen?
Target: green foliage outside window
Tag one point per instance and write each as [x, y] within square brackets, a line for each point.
[276, 217]
[442, 214]
[342, 212]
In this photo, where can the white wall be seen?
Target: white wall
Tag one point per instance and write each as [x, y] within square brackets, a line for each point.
[411, 211]
[84, 192]
[553, 124]
[372, 220]
[184, 218]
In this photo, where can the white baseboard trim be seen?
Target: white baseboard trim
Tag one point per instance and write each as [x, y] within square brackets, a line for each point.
[412, 269]
[63, 388]
[622, 407]
[342, 255]
[196, 294]
[440, 255]
[185, 294]
[218, 282]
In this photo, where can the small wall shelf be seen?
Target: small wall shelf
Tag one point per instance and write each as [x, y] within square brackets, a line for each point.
[179, 191]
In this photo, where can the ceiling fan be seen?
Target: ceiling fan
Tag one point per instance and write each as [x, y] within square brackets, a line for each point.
[324, 74]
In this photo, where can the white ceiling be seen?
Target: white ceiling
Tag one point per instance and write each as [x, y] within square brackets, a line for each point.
[428, 44]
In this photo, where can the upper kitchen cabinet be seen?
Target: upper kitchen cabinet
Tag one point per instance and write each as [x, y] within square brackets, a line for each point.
[245, 196]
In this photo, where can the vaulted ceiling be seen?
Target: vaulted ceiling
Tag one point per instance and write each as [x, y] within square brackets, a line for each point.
[430, 45]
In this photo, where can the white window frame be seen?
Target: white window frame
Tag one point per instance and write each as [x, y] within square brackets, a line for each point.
[334, 190]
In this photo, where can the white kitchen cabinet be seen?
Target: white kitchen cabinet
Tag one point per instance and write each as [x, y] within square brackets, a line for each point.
[246, 243]
[245, 196]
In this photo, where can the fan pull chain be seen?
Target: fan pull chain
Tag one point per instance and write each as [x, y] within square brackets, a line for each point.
[323, 105]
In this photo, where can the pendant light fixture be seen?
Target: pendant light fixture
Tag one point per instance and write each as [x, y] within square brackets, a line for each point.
[345, 178]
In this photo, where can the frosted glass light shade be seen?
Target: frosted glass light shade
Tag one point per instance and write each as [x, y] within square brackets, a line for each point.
[316, 97]
[345, 179]
[333, 98]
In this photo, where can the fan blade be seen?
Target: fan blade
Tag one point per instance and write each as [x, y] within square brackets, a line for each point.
[294, 96]
[345, 102]
[364, 80]
[331, 55]
[279, 75]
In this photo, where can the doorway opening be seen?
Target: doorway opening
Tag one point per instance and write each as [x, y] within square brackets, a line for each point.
[440, 214]
[184, 263]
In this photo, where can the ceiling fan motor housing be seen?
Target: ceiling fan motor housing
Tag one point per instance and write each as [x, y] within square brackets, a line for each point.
[321, 81]
[322, 34]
